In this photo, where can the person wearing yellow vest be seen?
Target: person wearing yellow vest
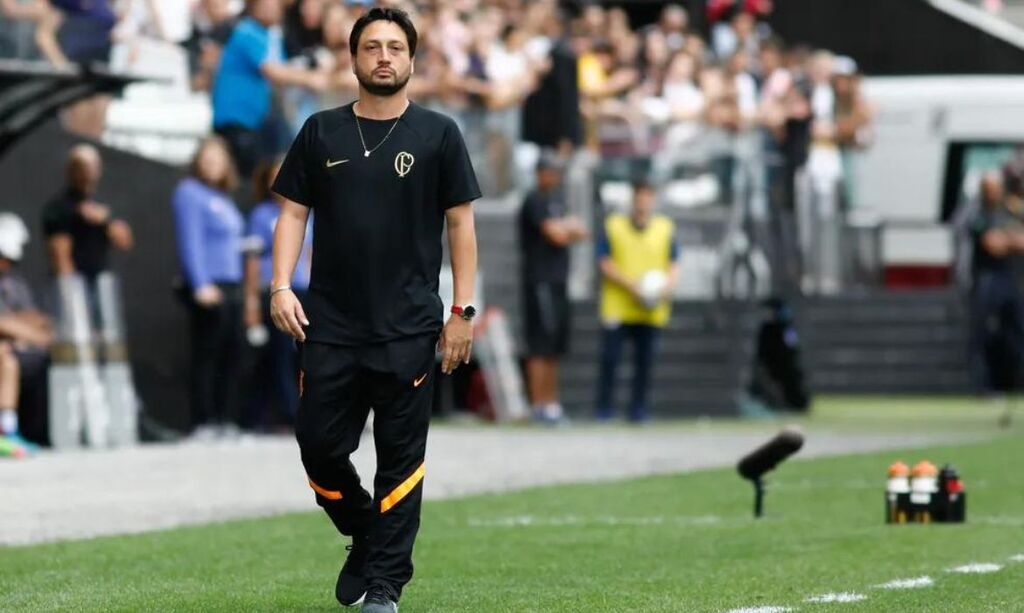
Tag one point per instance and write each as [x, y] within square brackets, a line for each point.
[638, 258]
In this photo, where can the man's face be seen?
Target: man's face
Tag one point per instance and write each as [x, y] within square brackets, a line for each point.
[992, 190]
[267, 12]
[643, 204]
[548, 179]
[383, 64]
[86, 170]
[673, 19]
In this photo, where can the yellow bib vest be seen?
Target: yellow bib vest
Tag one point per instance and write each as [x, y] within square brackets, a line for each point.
[635, 252]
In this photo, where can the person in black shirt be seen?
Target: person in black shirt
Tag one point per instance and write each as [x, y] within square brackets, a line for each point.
[384, 175]
[79, 230]
[546, 230]
[996, 305]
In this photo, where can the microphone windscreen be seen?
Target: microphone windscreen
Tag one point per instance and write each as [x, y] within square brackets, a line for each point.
[767, 456]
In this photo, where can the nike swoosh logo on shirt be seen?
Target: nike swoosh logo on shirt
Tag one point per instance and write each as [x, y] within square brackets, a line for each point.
[419, 381]
[331, 164]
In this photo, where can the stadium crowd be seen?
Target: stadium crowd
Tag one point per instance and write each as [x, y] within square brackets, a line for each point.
[526, 80]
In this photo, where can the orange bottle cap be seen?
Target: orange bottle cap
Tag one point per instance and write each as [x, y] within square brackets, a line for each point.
[899, 469]
[924, 468]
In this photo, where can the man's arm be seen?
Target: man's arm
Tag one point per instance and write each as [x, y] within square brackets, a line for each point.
[120, 235]
[563, 231]
[610, 271]
[284, 75]
[59, 248]
[19, 328]
[49, 22]
[996, 242]
[285, 309]
[457, 337]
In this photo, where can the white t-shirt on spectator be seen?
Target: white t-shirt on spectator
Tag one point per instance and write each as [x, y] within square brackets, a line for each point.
[175, 17]
[823, 102]
[504, 65]
[746, 94]
[686, 97]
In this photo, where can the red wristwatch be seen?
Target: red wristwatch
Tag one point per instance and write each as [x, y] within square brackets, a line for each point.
[467, 312]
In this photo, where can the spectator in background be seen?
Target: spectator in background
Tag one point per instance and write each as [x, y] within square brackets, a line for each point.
[638, 259]
[672, 24]
[303, 27]
[213, 23]
[278, 360]
[738, 34]
[551, 114]
[335, 59]
[251, 64]
[79, 31]
[853, 119]
[685, 100]
[998, 318]
[79, 230]
[18, 28]
[25, 337]
[209, 234]
[546, 230]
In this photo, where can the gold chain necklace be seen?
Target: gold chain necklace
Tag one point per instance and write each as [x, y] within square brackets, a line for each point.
[367, 152]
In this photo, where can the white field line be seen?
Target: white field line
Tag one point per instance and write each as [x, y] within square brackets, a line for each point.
[907, 584]
[978, 568]
[768, 609]
[519, 521]
[840, 597]
[999, 520]
[1017, 558]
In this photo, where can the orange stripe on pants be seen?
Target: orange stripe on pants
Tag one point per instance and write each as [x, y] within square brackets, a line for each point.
[403, 489]
[328, 494]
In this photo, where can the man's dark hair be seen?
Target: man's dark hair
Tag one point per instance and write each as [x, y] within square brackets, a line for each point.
[396, 16]
[642, 184]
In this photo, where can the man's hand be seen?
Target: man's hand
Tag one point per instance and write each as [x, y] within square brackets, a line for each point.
[456, 344]
[576, 228]
[120, 234]
[208, 296]
[287, 314]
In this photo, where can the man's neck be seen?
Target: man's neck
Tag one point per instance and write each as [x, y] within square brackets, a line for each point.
[381, 107]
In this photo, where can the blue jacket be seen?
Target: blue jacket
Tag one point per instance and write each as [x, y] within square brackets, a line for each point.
[210, 229]
[262, 221]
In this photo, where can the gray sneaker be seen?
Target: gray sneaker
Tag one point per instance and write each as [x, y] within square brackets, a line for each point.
[379, 600]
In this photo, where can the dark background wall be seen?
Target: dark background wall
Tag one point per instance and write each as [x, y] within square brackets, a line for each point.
[138, 191]
[895, 37]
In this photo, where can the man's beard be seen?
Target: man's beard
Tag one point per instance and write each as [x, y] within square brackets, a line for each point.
[382, 89]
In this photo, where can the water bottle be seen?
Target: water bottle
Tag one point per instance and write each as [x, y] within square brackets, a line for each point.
[923, 486]
[897, 494]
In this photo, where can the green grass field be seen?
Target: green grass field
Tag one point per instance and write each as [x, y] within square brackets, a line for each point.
[673, 544]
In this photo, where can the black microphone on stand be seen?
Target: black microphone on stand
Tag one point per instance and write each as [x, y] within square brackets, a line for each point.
[767, 457]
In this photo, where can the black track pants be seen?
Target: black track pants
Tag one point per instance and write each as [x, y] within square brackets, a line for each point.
[339, 385]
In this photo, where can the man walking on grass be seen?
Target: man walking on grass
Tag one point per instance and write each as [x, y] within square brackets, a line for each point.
[384, 175]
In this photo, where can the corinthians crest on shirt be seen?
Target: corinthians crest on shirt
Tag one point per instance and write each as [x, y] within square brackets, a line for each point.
[403, 163]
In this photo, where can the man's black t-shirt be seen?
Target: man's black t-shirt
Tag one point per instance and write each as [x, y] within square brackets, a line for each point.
[377, 230]
[542, 261]
[90, 245]
[986, 220]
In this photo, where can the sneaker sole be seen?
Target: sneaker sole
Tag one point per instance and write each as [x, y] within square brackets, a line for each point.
[356, 603]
